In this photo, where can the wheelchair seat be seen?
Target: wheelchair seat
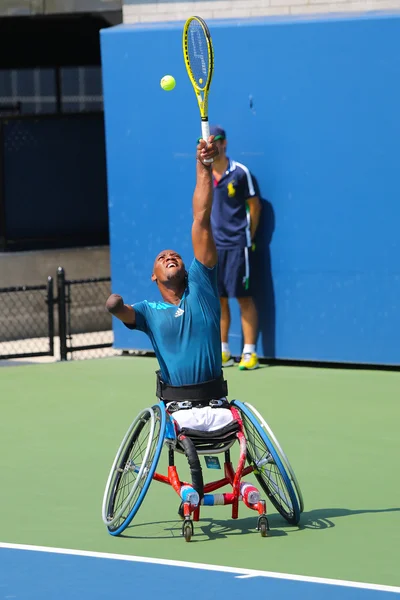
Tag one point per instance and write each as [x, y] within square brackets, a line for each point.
[206, 442]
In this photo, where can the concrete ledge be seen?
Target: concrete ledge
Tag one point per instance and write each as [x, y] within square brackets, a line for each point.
[41, 345]
[33, 268]
[24, 314]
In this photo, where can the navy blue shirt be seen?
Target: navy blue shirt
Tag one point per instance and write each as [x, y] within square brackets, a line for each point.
[230, 218]
[186, 336]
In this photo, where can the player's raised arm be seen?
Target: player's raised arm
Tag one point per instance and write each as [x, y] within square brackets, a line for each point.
[202, 237]
[124, 312]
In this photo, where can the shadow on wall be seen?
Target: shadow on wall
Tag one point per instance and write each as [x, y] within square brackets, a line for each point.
[264, 296]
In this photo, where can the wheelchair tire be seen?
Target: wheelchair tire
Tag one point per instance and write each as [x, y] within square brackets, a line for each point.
[280, 452]
[268, 467]
[133, 468]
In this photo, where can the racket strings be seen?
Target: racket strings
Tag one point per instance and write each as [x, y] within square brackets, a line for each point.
[198, 54]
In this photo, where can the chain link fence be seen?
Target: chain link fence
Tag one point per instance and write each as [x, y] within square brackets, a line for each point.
[27, 321]
[74, 325]
[88, 326]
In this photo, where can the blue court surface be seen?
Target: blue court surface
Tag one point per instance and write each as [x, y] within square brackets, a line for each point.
[33, 573]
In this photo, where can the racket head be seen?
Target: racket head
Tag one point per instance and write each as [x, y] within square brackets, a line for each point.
[199, 57]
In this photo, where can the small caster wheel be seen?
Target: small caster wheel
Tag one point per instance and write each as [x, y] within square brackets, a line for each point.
[187, 530]
[263, 526]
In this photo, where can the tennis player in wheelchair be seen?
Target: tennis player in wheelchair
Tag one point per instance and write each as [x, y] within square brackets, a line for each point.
[193, 416]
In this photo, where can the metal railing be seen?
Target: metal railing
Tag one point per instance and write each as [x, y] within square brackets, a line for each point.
[84, 324]
[82, 327]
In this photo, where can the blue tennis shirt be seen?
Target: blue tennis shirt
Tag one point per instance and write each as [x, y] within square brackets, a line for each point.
[186, 336]
[229, 217]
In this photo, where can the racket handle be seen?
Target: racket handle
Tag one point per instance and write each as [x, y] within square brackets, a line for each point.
[205, 134]
[205, 130]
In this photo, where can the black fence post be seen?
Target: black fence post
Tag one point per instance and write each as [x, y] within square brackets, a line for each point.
[50, 313]
[3, 237]
[58, 86]
[62, 313]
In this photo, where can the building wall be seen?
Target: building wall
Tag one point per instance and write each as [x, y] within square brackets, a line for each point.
[149, 10]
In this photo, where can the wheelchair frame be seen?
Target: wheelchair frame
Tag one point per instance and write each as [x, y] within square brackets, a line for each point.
[262, 451]
[232, 477]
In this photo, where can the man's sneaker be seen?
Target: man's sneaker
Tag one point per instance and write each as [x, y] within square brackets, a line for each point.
[249, 362]
[227, 360]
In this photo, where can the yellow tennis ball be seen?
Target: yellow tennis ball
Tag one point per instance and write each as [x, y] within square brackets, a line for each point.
[167, 83]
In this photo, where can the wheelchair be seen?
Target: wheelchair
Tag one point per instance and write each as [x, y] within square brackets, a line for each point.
[135, 464]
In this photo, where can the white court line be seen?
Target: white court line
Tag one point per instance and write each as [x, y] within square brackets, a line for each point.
[242, 573]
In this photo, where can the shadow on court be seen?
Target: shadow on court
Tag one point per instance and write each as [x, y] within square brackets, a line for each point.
[320, 518]
[213, 529]
[205, 530]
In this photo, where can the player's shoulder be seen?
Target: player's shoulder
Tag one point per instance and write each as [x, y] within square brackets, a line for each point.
[204, 278]
[247, 179]
[241, 169]
[151, 305]
[198, 266]
[156, 305]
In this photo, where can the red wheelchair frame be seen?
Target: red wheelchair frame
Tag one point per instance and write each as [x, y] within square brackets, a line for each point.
[232, 477]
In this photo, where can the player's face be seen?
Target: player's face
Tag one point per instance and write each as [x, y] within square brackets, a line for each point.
[168, 267]
[221, 145]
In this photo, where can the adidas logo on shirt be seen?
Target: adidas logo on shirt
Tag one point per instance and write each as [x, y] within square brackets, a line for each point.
[179, 312]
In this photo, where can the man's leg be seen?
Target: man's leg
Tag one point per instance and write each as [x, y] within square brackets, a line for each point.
[249, 319]
[248, 314]
[225, 319]
[227, 360]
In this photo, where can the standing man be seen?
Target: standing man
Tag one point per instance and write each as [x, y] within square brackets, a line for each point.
[235, 217]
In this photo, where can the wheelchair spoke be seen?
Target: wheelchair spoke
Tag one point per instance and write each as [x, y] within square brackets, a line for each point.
[279, 451]
[280, 491]
[128, 476]
[132, 471]
[267, 471]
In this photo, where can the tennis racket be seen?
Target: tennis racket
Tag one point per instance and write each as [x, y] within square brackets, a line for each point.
[199, 61]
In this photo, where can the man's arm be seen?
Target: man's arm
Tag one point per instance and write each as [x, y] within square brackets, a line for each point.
[255, 212]
[202, 237]
[124, 312]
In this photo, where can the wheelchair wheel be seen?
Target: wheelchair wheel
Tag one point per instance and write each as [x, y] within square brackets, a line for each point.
[133, 468]
[280, 452]
[268, 467]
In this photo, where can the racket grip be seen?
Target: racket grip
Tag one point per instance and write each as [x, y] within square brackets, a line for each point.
[205, 130]
[205, 134]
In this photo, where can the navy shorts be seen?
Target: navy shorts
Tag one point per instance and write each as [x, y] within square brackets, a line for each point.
[234, 272]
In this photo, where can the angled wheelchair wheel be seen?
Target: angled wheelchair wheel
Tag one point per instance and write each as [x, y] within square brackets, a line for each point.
[133, 468]
[280, 452]
[269, 469]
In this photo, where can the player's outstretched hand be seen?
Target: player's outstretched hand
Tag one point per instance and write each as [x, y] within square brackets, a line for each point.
[207, 152]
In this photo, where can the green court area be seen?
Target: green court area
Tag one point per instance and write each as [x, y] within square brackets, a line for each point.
[62, 423]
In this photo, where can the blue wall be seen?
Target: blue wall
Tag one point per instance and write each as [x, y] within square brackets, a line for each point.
[322, 137]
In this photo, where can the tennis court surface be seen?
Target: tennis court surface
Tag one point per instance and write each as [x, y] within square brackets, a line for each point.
[61, 426]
